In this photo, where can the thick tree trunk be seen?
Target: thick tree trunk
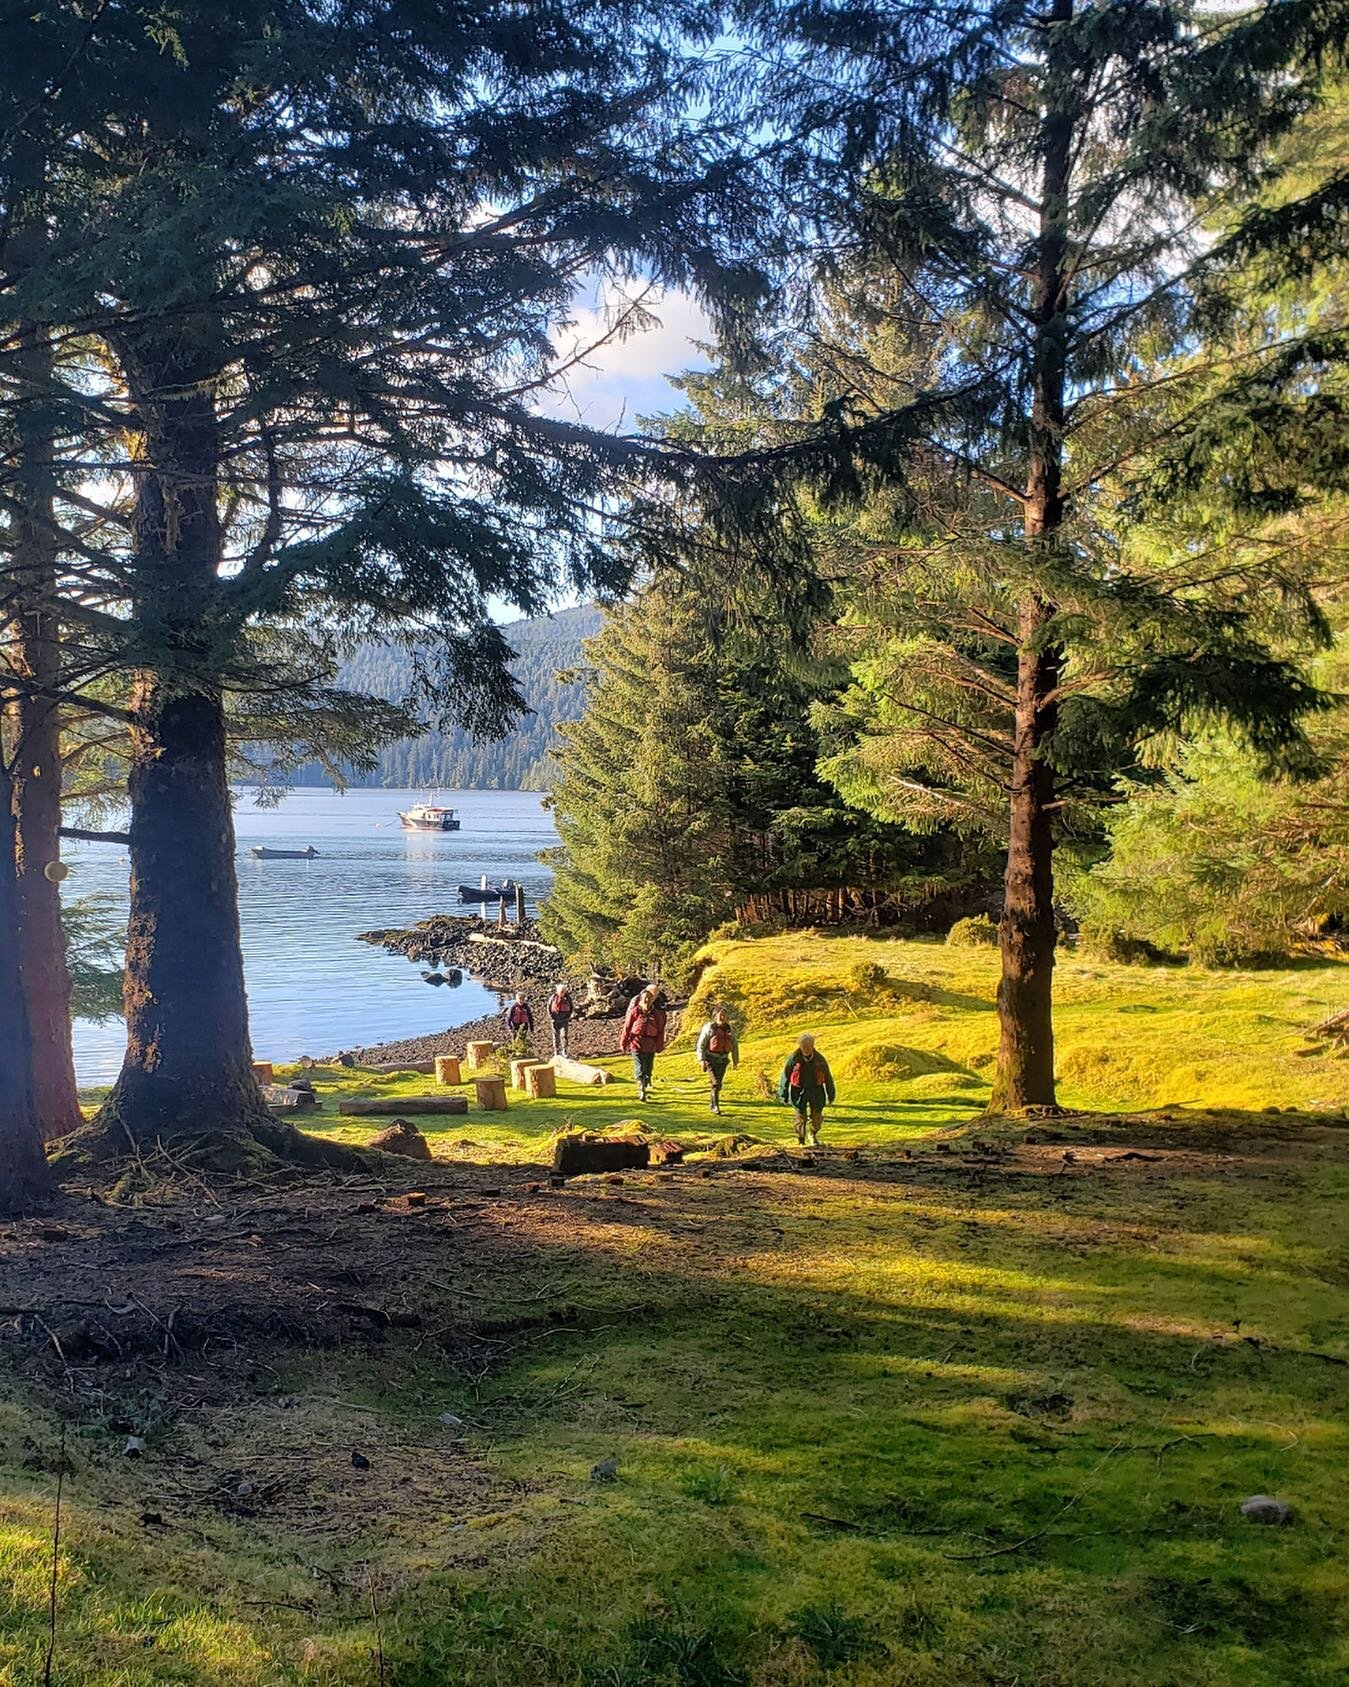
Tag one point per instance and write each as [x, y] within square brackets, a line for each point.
[188, 1061]
[1025, 1073]
[186, 1077]
[25, 1178]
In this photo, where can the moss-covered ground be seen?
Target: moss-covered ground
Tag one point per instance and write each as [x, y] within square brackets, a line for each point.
[962, 1409]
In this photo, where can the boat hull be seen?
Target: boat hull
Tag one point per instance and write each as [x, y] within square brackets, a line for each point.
[448, 825]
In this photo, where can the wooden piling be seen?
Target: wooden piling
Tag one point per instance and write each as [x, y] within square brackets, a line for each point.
[540, 1082]
[479, 1055]
[447, 1069]
[491, 1094]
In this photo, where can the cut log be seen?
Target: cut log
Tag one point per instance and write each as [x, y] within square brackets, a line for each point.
[582, 1152]
[540, 1082]
[279, 1099]
[388, 1106]
[518, 1069]
[667, 1152]
[402, 1138]
[264, 1071]
[425, 1067]
[491, 1094]
[479, 1055]
[578, 1072]
[447, 1069]
[513, 943]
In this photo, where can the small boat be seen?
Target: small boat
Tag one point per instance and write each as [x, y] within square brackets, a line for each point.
[487, 893]
[260, 853]
[429, 817]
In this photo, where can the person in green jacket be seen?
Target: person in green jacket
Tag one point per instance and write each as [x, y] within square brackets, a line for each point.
[807, 1084]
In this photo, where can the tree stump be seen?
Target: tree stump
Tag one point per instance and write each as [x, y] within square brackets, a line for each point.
[263, 1071]
[519, 1067]
[447, 1069]
[584, 1152]
[479, 1055]
[540, 1082]
[402, 1138]
[491, 1094]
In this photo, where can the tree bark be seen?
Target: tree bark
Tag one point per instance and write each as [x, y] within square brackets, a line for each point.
[25, 1178]
[34, 655]
[1027, 935]
[187, 1074]
[187, 1069]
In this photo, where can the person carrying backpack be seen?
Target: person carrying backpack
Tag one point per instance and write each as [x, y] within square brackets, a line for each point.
[520, 1020]
[718, 1048]
[560, 1010]
[643, 1038]
[807, 1084]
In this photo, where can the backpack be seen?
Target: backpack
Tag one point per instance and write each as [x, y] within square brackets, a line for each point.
[722, 1041]
[561, 1003]
[519, 1014]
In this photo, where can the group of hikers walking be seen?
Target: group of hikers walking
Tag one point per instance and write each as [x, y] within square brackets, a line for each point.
[805, 1084]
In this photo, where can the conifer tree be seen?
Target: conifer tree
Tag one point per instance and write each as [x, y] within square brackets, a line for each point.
[1029, 188]
[323, 255]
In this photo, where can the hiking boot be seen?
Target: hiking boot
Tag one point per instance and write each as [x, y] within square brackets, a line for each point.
[815, 1139]
[801, 1135]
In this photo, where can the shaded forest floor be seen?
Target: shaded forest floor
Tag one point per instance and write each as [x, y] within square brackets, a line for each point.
[959, 1403]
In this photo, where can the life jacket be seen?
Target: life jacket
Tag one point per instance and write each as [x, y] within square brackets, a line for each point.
[807, 1074]
[560, 1004]
[519, 1014]
[722, 1040]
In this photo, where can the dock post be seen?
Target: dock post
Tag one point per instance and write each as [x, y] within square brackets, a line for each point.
[519, 905]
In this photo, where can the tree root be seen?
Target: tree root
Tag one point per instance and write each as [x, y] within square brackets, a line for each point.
[256, 1146]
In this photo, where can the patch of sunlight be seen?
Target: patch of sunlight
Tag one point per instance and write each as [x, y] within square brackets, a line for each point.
[26, 1558]
[992, 1376]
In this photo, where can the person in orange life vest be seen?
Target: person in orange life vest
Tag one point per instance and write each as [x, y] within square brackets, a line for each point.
[643, 1037]
[807, 1084]
[718, 1048]
[560, 1010]
[520, 1021]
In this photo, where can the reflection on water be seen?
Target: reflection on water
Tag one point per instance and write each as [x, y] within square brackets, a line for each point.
[311, 989]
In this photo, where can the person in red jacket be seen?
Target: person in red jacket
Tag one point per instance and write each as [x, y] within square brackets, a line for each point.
[643, 1037]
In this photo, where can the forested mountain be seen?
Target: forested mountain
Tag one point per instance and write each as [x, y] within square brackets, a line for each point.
[455, 760]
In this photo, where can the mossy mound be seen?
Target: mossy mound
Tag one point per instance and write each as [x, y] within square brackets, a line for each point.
[881, 1062]
[977, 932]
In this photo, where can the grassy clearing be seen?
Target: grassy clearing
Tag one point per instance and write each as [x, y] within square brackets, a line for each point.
[937, 1420]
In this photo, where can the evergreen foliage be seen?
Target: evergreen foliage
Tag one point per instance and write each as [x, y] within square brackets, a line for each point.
[688, 796]
[1009, 198]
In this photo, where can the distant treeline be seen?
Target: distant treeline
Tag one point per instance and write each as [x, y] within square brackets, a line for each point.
[454, 760]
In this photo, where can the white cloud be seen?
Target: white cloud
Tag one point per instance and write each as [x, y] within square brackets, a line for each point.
[621, 379]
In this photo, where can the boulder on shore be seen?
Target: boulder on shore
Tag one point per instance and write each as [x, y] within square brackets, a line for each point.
[402, 1138]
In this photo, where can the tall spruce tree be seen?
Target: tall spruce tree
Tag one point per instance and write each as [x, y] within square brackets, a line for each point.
[322, 255]
[688, 794]
[1035, 187]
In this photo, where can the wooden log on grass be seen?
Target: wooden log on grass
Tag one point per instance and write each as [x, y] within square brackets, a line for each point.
[479, 1055]
[491, 1094]
[519, 1067]
[391, 1107]
[264, 1071]
[448, 1070]
[579, 1072]
[422, 1067]
[582, 1151]
[540, 1082]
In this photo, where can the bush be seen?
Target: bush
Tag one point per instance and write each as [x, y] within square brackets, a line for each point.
[1108, 944]
[866, 978]
[976, 932]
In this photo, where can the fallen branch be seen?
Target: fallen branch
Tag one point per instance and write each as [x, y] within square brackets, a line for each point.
[56, 1552]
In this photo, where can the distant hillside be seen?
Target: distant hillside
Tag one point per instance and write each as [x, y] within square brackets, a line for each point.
[453, 760]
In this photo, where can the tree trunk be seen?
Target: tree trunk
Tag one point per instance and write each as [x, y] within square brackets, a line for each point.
[1027, 936]
[25, 1178]
[34, 655]
[187, 1074]
[188, 1065]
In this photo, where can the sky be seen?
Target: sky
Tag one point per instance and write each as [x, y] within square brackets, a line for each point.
[625, 379]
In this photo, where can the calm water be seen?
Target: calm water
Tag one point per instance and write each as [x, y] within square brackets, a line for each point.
[311, 989]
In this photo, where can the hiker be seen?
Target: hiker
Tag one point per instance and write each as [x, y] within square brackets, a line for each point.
[560, 1010]
[718, 1047]
[643, 1037]
[520, 1020]
[807, 1084]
